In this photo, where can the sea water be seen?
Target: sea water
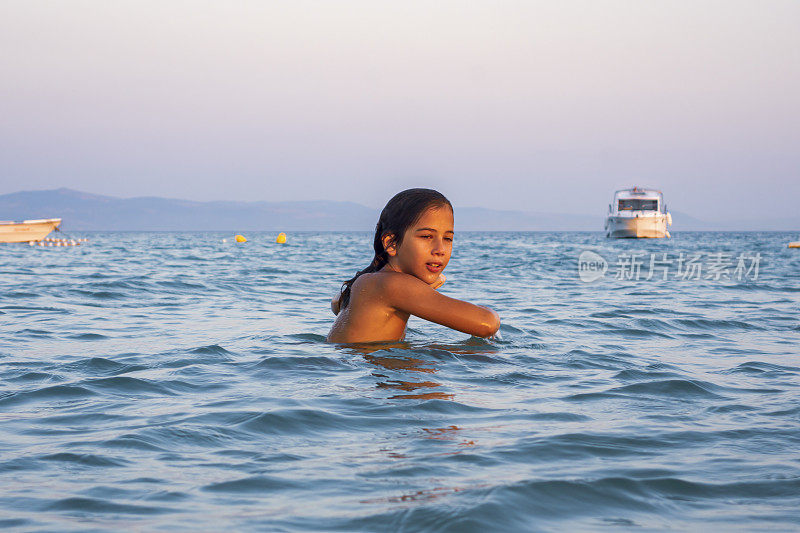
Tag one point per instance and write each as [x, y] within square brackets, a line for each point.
[162, 381]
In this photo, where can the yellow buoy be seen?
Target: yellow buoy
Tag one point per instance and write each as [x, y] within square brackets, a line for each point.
[240, 238]
[281, 238]
[794, 244]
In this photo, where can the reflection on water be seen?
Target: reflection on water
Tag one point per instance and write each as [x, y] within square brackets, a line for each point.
[390, 356]
[423, 495]
[447, 434]
[410, 364]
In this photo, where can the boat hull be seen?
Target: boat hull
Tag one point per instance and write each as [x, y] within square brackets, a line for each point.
[643, 227]
[27, 231]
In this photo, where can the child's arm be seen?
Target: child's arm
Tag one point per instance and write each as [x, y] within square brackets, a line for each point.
[411, 295]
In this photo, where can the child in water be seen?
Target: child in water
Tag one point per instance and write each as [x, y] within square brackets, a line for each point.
[413, 242]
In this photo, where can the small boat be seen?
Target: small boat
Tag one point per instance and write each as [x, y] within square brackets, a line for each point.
[27, 230]
[638, 213]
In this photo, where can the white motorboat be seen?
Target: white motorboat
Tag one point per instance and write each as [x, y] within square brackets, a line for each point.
[27, 230]
[638, 213]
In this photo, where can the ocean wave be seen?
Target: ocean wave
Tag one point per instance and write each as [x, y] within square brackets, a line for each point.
[87, 459]
[55, 393]
[102, 506]
[256, 485]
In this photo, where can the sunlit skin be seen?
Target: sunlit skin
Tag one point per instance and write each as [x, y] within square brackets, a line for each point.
[381, 302]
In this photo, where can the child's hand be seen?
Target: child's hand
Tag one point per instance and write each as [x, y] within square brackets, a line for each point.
[439, 282]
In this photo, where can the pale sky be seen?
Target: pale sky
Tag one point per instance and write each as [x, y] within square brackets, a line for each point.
[537, 106]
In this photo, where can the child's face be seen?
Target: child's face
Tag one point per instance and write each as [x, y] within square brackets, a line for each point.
[426, 246]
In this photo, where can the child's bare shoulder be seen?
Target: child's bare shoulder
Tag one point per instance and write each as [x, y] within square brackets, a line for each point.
[392, 289]
[391, 282]
[369, 285]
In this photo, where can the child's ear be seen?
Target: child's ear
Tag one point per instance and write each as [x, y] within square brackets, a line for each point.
[389, 245]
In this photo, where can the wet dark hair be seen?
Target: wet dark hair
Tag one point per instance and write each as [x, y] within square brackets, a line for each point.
[400, 213]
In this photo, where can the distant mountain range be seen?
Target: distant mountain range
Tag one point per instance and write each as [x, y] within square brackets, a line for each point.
[85, 211]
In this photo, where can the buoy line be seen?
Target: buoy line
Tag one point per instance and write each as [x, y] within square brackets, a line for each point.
[51, 241]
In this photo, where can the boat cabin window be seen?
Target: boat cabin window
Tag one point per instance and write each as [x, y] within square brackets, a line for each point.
[638, 205]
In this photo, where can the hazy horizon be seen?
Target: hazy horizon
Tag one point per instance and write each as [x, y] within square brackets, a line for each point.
[529, 106]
